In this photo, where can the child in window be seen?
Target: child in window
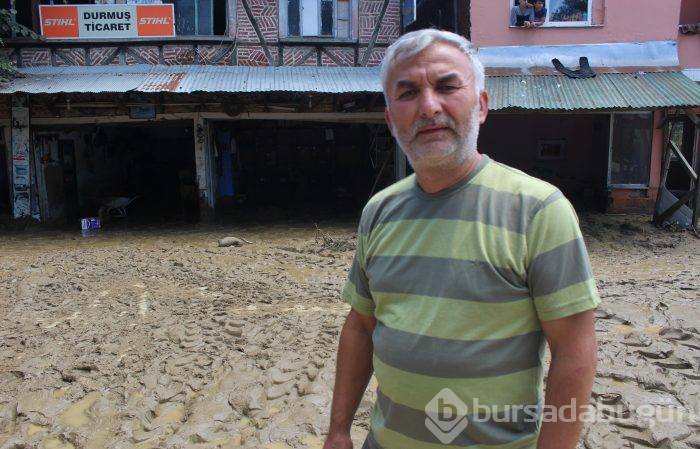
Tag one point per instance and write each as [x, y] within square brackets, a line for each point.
[522, 14]
[540, 14]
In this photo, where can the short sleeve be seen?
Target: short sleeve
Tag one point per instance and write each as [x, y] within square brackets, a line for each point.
[559, 271]
[356, 290]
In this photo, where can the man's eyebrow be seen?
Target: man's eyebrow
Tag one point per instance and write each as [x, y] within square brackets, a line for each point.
[450, 77]
[404, 84]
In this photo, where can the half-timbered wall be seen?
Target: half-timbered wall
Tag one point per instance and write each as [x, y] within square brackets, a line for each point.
[254, 40]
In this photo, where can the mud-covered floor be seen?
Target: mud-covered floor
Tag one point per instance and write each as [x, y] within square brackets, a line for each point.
[158, 338]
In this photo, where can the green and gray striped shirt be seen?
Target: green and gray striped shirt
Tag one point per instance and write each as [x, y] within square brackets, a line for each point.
[459, 282]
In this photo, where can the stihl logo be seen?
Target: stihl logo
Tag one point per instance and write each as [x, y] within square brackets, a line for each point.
[154, 21]
[59, 22]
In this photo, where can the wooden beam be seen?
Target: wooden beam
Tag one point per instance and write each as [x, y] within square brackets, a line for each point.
[685, 163]
[305, 57]
[696, 206]
[135, 55]
[65, 57]
[333, 57]
[677, 205]
[108, 60]
[254, 22]
[16, 53]
[375, 34]
[664, 175]
[693, 117]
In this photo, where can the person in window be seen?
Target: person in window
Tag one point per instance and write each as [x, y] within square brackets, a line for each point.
[540, 14]
[522, 14]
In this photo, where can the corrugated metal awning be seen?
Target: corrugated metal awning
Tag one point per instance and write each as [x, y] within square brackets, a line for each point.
[605, 91]
[194, 78]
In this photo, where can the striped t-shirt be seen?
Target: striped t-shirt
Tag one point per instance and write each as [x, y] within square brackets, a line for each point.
[458, 282]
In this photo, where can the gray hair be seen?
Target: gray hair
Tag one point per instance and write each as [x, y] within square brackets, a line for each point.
[412, 43]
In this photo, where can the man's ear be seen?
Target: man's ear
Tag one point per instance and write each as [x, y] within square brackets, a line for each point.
[483, 106]
[387, 119]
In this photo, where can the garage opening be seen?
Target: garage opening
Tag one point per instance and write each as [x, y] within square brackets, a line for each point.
[147, 168]
[568, 151]
[300, 166]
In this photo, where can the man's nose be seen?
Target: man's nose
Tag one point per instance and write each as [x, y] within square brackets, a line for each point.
[429, 103]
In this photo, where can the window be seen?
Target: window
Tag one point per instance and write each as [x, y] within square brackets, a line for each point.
[200, 17]
[556, 13]
[568, 12]
[316, 18]
[630, 150]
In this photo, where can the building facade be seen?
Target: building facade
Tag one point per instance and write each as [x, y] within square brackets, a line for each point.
[598, 135]
[248, 102]
[278, 102]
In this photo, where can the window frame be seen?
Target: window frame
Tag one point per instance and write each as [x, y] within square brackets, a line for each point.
[548, 23]
[619, 185]
[283, 28]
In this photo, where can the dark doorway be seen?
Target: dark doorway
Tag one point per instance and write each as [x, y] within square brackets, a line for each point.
[297, 166]
[5, 204]
[150, 167]
[569, 151]
[682, 132]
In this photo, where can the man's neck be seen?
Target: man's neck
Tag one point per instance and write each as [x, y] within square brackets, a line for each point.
[434, 181]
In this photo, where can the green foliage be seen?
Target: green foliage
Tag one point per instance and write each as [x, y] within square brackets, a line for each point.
[8, 70]
[10, 28]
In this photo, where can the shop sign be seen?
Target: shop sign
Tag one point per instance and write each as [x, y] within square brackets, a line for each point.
[106, 21]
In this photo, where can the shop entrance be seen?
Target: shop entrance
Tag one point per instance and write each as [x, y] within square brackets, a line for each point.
[120, 171]
[299, 166]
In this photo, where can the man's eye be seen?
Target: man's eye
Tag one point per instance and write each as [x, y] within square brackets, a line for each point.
[447, 88]
[406, 94]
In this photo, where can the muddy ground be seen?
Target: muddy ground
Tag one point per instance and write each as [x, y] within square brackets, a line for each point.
[152, 337]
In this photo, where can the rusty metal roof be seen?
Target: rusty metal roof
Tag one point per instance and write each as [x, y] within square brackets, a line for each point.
[606, 91]
[194, 78]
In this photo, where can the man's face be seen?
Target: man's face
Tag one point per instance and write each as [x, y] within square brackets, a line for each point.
[433, 110]
[539, 6]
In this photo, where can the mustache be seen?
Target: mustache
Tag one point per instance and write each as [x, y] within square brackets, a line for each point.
[435, 121]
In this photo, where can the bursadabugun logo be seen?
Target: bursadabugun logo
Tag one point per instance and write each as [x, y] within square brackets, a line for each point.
[446, 416]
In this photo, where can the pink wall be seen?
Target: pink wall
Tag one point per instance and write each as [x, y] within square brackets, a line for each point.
[622, 21]
[689, 44]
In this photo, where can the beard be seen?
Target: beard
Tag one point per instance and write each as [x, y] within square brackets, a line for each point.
[462, 147]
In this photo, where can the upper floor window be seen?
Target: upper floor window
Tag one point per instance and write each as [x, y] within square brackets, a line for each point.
[317, 18]
[199, 17]
[550, 13]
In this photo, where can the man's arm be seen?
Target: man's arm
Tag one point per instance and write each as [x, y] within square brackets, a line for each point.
[352, 374]
[572, 341]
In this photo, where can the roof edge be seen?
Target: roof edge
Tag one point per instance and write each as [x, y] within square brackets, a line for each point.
[629, 54]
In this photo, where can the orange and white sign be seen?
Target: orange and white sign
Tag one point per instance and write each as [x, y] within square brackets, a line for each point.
[106, 21]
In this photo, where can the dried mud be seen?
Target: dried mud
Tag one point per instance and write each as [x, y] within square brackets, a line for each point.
[145, 338]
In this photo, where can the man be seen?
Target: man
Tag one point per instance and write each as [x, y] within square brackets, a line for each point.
[461, 272]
